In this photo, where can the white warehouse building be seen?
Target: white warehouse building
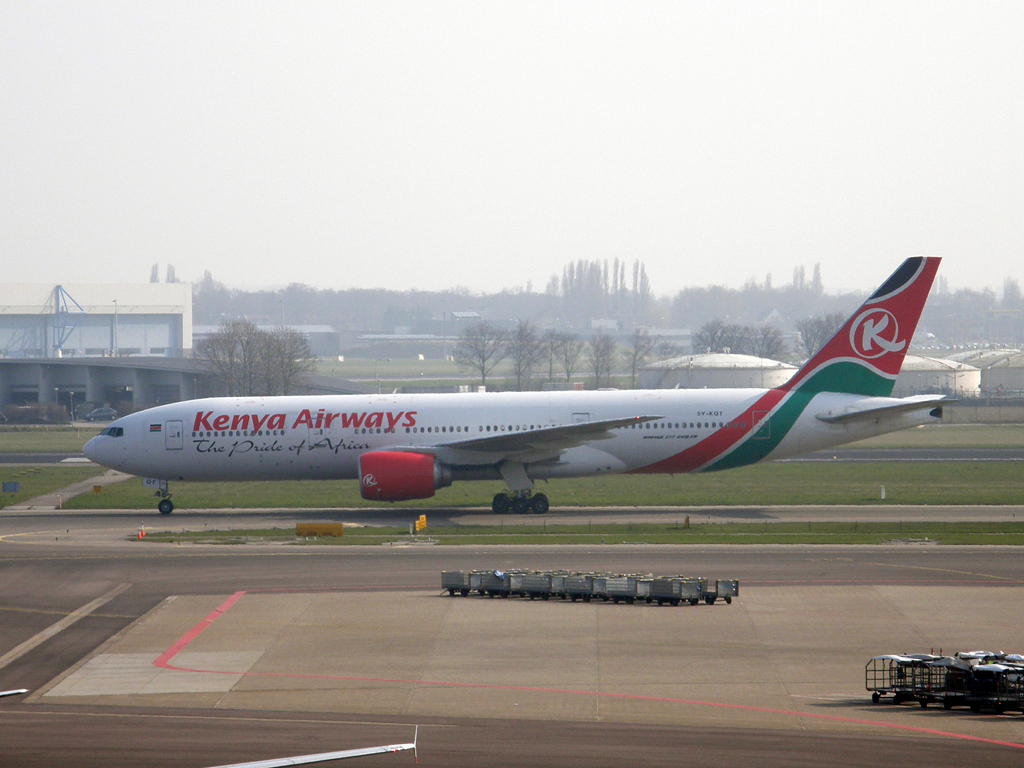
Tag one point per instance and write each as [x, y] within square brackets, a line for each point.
[716, 370]
[40, 320]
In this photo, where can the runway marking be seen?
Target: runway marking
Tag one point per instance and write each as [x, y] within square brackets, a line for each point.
[67, 621]
[163, 661]
[946, 570]
[8, 536]
[214, 716]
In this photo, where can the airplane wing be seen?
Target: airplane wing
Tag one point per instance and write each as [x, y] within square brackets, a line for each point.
[882, 407]
[526, 445]
[324, 757]
[15, 692]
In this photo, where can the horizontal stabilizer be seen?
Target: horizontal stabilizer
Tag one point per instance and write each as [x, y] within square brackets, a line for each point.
[878, 408]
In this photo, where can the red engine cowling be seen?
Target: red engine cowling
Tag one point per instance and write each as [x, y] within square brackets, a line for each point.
[398, 476]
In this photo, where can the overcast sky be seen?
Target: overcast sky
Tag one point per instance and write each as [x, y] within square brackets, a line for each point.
[485, 144]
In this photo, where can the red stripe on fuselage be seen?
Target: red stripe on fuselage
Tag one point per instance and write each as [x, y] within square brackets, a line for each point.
[717, 443]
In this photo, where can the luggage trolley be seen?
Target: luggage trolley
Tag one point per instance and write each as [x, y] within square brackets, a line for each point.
[999, 687]
[537, 585]
[621, 588]
[455, 581]
[900, 676]
[579, 586]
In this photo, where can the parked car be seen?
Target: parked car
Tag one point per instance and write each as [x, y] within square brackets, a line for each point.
[101, 414]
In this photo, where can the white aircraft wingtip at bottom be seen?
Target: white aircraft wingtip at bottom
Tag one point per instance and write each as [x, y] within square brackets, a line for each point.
[15, 692]
[325, 757]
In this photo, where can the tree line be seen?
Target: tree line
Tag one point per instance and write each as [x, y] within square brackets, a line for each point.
[482, 346]
[246, 360]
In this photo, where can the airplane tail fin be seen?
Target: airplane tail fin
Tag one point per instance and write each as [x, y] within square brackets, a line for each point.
[866, 354]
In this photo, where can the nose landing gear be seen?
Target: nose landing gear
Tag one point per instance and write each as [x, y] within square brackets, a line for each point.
[165, 505]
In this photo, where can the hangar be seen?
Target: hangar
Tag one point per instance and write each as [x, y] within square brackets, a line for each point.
[40, 320]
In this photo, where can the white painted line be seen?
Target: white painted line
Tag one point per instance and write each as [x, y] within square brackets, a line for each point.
[67, 621]
[75, 460]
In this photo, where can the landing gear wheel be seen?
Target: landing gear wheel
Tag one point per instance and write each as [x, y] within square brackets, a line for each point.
[165, 506]
[520, 505]
[500, 504]
[539, 504]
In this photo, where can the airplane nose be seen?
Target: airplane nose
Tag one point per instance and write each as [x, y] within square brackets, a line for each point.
[91, 450]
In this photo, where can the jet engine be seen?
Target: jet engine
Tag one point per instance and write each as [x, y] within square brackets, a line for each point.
[399, 476]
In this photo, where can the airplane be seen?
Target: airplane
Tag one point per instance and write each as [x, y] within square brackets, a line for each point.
[406, 446]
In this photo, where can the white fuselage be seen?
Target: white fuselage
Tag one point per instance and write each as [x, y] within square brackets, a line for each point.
[322, 437]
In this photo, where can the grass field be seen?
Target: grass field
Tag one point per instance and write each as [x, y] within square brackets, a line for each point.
[825, 483]
[35, 481]
[31, 439]
[729, 533]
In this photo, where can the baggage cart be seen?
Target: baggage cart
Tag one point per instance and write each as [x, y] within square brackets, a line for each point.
[580, 586]
[599, 587]
[898, 676]
[725, 589]
[537, 585]
[675, 589]
[490, 583]
[998, 687]
[515, 583]
[621, 588]
[643, 588]
[558, 584]
[455, 581]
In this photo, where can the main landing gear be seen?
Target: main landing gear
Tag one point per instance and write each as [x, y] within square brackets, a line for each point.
[521, 503]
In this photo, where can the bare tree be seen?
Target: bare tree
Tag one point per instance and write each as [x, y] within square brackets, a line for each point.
[480, 347]
[601, 358]
[641, 343]
[767, 341]
[233, 354]
[525, 351]
[286, 361]
[551, 348]
[816, 331]
[735, 338]
[571, 350]
[710, 337]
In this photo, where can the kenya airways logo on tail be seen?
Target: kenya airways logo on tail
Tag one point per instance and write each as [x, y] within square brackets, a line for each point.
[875, 333]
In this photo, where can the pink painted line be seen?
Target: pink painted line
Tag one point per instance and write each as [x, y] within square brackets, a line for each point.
[163, 661]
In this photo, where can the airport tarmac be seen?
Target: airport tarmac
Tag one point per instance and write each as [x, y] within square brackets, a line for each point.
[200, 655]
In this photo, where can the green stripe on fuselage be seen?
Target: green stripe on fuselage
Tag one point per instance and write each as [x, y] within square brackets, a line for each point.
[842, 377]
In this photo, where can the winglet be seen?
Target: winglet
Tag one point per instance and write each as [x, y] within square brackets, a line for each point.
[866, 354]
[415, 739]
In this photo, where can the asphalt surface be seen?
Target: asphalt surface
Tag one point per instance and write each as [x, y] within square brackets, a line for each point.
[43, 579]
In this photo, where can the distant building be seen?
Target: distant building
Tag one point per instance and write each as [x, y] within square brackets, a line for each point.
[927, 375]
[40, 320]
[718, 370]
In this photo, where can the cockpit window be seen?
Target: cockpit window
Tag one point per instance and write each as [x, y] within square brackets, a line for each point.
[113, 431]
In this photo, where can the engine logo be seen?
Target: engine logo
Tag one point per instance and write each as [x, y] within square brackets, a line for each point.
[369, 481]
[874, 333]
